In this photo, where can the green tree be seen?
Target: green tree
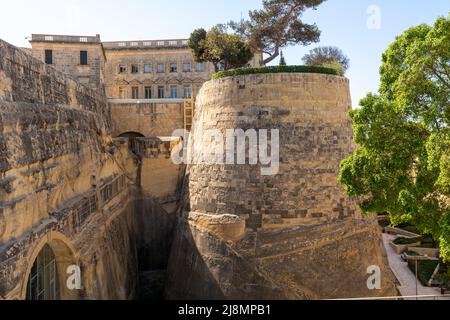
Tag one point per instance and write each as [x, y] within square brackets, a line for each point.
[332, 57]
[278, 24]
[403, 163]
[196, 42]
[282, 59]
[225, 50]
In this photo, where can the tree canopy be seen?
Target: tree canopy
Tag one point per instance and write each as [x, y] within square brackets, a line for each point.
[403, 163]
[223, 49]
[328, 57]
[278, 24]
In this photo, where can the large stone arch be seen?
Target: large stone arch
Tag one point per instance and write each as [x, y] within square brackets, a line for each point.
[65, 256]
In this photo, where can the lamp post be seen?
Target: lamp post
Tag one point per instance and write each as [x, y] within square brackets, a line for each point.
[416, 259]
[417, 283]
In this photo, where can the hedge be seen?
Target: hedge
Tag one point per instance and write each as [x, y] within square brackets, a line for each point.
[425, 269]
[403, 241]
[275, 69]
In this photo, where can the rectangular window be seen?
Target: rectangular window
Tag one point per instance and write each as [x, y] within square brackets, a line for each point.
[48, 56]
[173, 67]
[148, 68]
[187, 91]
[174, 91]
[83, 58]
[186, 67]
[200, 67]
[134, 68]
[135, 92]
[161, 92]
[122, 69]
[148, 92]
[122, 93]
[160, 68]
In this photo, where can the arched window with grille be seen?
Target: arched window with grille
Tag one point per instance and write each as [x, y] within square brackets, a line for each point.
[43, 281]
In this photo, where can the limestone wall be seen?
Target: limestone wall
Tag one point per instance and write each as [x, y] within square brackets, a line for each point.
[62, 182]
[66, 58]
[153, 79]
[293, 234]
[148, 119]
[310, 112]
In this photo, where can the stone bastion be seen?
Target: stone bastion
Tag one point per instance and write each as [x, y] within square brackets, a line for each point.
[289, 234]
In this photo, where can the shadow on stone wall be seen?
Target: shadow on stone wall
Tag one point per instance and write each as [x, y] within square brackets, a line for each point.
[202, 266]
[154, 236]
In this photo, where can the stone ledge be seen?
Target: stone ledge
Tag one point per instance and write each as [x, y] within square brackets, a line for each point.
[226, 226]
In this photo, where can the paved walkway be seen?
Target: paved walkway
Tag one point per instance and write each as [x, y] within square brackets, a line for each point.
[404, 275]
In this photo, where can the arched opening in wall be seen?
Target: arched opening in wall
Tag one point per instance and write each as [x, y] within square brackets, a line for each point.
[133, 141]
[46, 278]
[131, 134]
[43, 281]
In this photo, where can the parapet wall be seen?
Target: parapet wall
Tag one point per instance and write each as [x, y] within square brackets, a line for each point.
[28, 80]
[147, 119]
[63, 183]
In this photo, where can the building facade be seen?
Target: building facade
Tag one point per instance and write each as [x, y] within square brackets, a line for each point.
[150, 84]
[127, 70]
[163, 69]
[81, 57]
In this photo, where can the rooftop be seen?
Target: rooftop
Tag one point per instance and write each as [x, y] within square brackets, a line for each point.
[112, 45]
[64, 38]
[146, 44]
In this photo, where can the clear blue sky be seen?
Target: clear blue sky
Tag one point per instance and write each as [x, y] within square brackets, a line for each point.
[343, 24]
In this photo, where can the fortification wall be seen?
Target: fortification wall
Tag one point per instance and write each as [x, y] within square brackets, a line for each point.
[315, 134]
[293, 234]
[62, 182]
[148, 119]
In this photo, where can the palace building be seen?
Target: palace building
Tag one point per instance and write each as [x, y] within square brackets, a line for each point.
[127, 70]
[150, 84]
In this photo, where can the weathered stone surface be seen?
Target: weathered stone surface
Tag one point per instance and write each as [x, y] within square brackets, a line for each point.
[111, 209]
[148, 119]
[56, 155]
[304, 237]
[66, 57]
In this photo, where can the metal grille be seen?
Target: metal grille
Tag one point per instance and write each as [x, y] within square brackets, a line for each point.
[43, 282]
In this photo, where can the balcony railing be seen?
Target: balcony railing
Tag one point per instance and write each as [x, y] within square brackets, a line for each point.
[64, 39]
[146, 44]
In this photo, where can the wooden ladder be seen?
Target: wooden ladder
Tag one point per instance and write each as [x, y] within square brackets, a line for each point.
[188, 113]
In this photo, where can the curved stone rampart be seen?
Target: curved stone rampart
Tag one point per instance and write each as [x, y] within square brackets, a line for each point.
[303, 238]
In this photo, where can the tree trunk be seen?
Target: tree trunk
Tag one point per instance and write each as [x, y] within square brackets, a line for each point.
[272, 56]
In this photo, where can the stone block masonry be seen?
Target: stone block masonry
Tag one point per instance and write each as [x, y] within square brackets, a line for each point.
[310, 111]
[109, 205]
[292, 235]
[147, 119]
[59, 183]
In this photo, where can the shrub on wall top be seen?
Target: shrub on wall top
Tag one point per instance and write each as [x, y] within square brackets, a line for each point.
[275, 69]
